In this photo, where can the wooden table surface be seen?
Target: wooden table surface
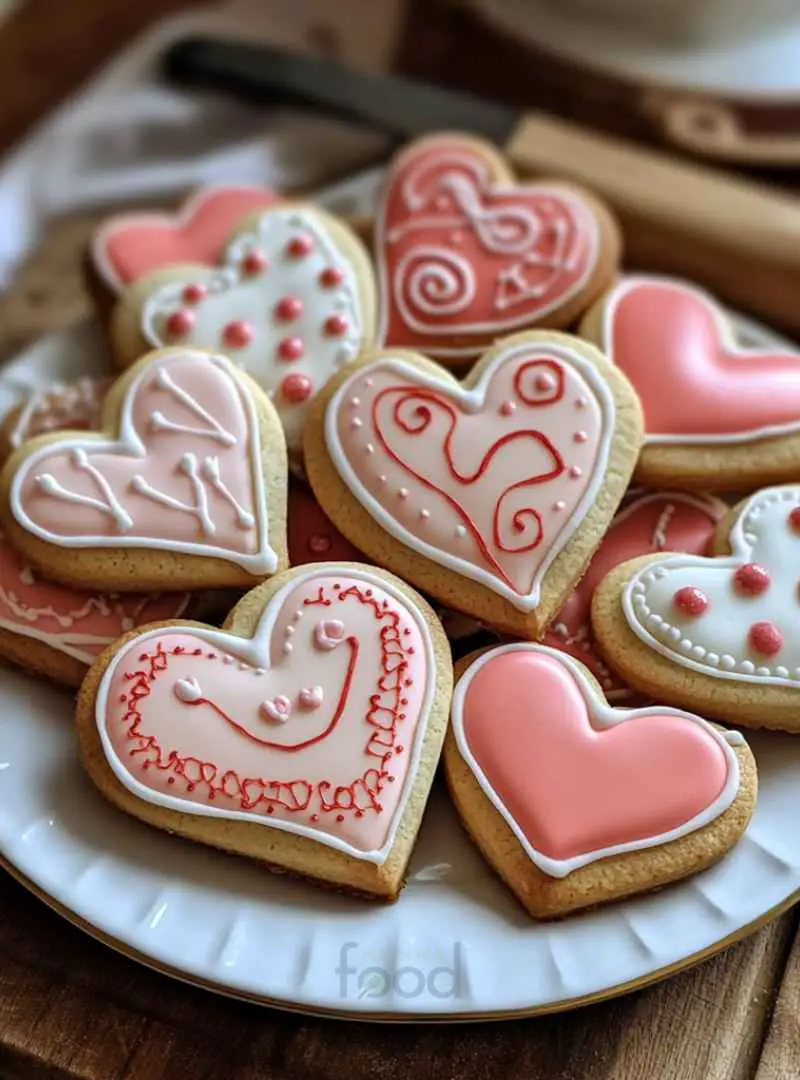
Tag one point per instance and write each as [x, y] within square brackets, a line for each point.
[70, 1007]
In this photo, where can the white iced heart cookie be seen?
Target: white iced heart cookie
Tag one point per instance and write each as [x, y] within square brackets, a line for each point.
[292, 301]
[720, 633]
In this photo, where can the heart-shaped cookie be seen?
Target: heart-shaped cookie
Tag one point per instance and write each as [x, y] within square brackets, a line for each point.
[466, 254]
[713, 409]
[292, 301]
[186, 488]
[126, 247]
[574, 802]
[219, 736]
[489, 495]
[718, 634]
[650, 522]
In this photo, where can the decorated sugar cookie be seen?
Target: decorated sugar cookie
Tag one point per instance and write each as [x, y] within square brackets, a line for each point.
[184, 487]
[717, 415]
[466, 254]
[292, 302]
[648, 523]
[127, 247]
[304, 734]
[74, 405]
[59, 631]
[575, 803]
[490, 495]
[720, 634]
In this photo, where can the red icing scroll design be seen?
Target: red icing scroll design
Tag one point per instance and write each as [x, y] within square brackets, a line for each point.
[462, 256]
[321, 736]
[649, 523]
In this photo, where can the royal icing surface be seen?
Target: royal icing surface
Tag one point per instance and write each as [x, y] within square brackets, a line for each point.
[77, 406]
[184, 474]
[285, 304]
[576, 780]
[312, 536]
[128, 246]
[651, 522]
[695, 383]
[314, 726]
[736, 617]
[80, 624]
[490, 482]
[462, 256]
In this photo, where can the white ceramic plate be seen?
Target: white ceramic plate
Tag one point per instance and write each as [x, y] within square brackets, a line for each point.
[456, 945]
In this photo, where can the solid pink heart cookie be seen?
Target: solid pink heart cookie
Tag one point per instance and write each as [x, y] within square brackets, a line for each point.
[575, 781]
[185, 473]
[466, 254]
[649, 523]
[126, 247]
[226, 729]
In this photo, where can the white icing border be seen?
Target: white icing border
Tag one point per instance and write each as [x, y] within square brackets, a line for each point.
[741, 550]
[472, 401]
[730, 344]
[128, 443]
[503, 326]
[100, 258]
[255, 651]
[600, 715]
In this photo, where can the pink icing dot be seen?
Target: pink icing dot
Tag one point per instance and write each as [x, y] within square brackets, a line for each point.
[291, 348]
[296, 388]
[544, 382]
[180, 323]
[580, 436]
[300, 246]
[318, 543]
[288, 308]
[765, 638]
[403, 493]
[336, 325]
[194, 293]
[794, 519]
[330, 277]
[254, 262]
[508, 408]
[751, 579]
[575, 472]
[690, 600]
[560, 505]
[238, 334]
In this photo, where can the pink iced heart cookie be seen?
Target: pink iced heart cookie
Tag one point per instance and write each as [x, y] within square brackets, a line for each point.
[59, 630]
[721, 632]
[537, 755]
[466, 254]
[220, 736]
[292, 301]
[649, 523]
[491, 480]
[712, 407]
[126, 247]
[191, 461]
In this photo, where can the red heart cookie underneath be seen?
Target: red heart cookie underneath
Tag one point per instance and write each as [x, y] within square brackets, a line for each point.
[576, 780]
[696, 385]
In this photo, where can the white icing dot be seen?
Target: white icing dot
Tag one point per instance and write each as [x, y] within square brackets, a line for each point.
[581, 403]
[288, 647]
[424, 514]
[259, 671]
[713, 659]
[356, 423]
[686, 645]
[751, 538]
[763, 671]
[560, 505]
[382, 479]
[289, 631]
[370, 448]
[655, 620]
[747, 666]
[640, 600]
[461, 531]
[403, 493]
[675, 633]
[727, 661]
[298, 615]
[638, 587]
[698, 652]
[355, 402]
[782, 672]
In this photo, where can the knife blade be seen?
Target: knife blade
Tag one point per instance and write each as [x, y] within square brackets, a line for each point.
[739, 238]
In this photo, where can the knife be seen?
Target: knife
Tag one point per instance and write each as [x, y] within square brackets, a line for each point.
[739, 238]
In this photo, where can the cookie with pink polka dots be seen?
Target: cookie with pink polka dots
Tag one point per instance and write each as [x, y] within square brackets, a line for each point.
[719, 634]
[490, 495]
[292, 300]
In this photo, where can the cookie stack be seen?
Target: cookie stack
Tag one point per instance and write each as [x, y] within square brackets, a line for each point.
[481, 436]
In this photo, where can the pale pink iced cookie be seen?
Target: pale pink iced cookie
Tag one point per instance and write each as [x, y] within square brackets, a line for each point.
[312, 536]
[292, 302]
[492, 495]
[304, 734]
[717, 415]
[466, 253]
[575, 803]
[59, 631]
[719, 634]
[649, 522]
[74, 405]
[184, 487]
[128, 246]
